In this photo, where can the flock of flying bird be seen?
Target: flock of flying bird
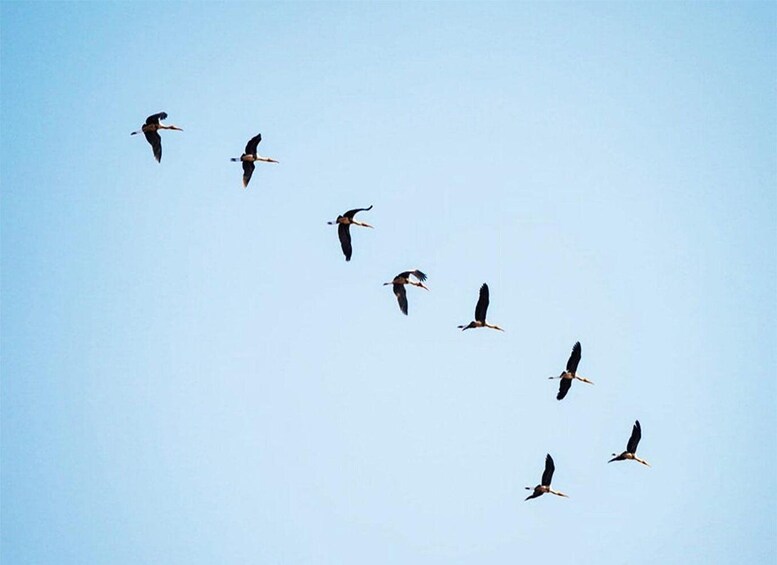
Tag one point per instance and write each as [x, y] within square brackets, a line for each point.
[344, 222]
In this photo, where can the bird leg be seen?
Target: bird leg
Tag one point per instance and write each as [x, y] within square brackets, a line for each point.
[361, 224]
[557, 493]
[641, 461]
[584, 380]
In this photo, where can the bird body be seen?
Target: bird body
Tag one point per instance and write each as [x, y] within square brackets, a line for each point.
[631, 447]
[151, 131]
[480, 312]
[570, 373]
[398, 285]
[343, 229]
[547, 477]
[249, 157]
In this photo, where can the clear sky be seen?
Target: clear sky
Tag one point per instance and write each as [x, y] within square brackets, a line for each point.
[191, 373]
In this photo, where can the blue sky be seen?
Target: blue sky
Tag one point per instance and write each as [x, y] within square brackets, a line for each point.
[191, 373]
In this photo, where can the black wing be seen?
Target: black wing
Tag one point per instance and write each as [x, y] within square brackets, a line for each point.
[563, 388]
[399, 292]
[535, 494]
[253, 143]
[154, 118]
[351, 213]
[156, 142]
[248, 170]
[482, 305]
[574, 358]
[547, 476]
[417, 274]
[344, 233]
[636, 435]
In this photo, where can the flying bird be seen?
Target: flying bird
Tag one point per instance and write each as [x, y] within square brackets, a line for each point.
[631, 447]
[250, 157]
[344, 223]
[571, 373]
[547, 476]
[399, 283]
[480, 312]
[151, 130]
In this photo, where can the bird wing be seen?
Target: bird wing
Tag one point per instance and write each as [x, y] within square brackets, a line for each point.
[563, 388]
[419, 275]
[482, 305]
[253, 143]
[344, 233]
[154, 118]
[399, 292]
[636, 435]
[351, 213]
[547, 476]
[156, 143]
[574, 358]
[248, 170]
[535, 494]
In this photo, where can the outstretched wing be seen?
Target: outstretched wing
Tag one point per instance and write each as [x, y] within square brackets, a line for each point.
[563, 388]
[344, 233]
[547, 476]
[399, 292]
[482, 305]
[154, 118]
[248, 170]
[156, 142]
[636, 435]
[574, 358]
[351, 213]
[253, 143]
[419, 275]
[535, 494]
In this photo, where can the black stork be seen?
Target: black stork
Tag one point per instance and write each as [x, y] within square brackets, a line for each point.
[399, 283]
[249, 157]
[480, 312]
[151, 130]
[344, 223]
[631, 447]
[571, 373]
[547, 476]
